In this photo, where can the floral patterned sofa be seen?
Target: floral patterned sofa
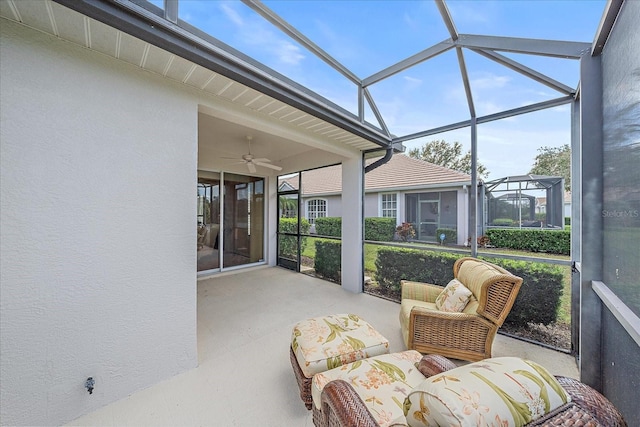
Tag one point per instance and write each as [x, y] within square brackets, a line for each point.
[406, 389]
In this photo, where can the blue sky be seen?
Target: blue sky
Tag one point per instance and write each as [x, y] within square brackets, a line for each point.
[367, 36]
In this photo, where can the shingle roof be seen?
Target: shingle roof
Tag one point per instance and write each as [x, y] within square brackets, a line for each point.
[401, 172]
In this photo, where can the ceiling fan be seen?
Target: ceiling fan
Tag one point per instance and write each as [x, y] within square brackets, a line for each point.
[252, 162]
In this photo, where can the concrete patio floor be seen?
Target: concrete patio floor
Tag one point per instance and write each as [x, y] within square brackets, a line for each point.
[244, 377]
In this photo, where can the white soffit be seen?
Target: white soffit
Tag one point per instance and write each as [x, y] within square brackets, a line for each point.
[59, 21]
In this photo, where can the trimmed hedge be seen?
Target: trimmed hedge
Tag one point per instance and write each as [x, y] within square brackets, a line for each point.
[537, 302]
[329, 226]
[379, 229]
[288, 244]
[532, 240]
[328, 260]
[539, 297]
[395, 264]
[375, 229]
[450, 235]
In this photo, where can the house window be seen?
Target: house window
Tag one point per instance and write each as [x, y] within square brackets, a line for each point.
[389, 205]
[316, 208]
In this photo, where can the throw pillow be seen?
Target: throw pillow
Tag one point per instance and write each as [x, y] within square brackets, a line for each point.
[499, 391]
[454, 297]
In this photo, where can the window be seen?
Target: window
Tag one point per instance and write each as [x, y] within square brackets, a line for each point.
[389, 205]
[316, 208]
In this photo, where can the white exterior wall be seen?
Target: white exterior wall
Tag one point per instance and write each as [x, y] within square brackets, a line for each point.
[98, 266]
[352, 225]
[371, 205]
[463, 215]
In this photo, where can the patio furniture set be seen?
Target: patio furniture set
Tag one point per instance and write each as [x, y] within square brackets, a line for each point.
[347, 376]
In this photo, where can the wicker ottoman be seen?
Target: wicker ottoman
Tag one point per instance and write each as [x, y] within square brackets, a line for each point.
[322, 343]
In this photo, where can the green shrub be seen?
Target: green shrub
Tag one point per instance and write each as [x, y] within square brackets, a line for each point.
[395, 264]
[567, 220]
[379, 229]
[375, 229]
[328, 259]
[329, 226]
[532, 240]
[450, 235]
[502, 222]
[288, 244]
[537, 302]
[539, 297]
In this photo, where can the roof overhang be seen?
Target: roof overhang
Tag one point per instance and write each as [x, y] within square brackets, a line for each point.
[193, 45]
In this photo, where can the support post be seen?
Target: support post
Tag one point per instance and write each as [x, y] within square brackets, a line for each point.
[352, 224]
[576, 208]
[473, 206]
[591, 135]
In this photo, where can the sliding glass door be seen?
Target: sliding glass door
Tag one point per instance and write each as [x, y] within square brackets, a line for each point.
[208, 221]
[243, 220]
[237, 236]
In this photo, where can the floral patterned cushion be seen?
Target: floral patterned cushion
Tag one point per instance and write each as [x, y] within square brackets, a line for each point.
[382, 382]
[326, 342]
[502, 391]
[454, 297]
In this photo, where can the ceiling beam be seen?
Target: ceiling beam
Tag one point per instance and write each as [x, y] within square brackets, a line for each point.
[375, 110]
[465, 82]
[428, 53]
[448, 20]
[556, 102]
[268, 14]
[486, 119]
[553, 48]
[526, 71]
[611, 11]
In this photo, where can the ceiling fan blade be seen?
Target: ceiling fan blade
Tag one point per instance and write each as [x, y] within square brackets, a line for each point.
[262, 160]
[251, 167]
[268, 165]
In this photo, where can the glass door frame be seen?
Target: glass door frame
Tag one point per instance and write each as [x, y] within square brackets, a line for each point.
[423, 204]
[281, 261]
[221, 241]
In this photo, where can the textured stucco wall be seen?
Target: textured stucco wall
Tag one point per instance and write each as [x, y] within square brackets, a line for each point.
[98, 272]
[371, 205]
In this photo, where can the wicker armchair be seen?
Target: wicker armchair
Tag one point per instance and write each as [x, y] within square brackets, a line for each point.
[341, 406]
[467, 335]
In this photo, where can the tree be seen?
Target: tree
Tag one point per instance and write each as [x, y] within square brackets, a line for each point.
[440, 152]
[554, 161]
[288, 206]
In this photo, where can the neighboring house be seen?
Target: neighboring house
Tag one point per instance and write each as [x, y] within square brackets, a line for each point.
[410, 190]
[541, 204]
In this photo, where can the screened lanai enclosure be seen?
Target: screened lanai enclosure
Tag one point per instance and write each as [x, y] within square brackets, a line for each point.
[182, 86]
[523, 201]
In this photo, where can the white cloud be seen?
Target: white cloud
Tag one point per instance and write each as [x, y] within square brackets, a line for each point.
[412, 82]
[489, 81]
[289, 53]
[254, 31]
[232, 14]
[469, 13]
